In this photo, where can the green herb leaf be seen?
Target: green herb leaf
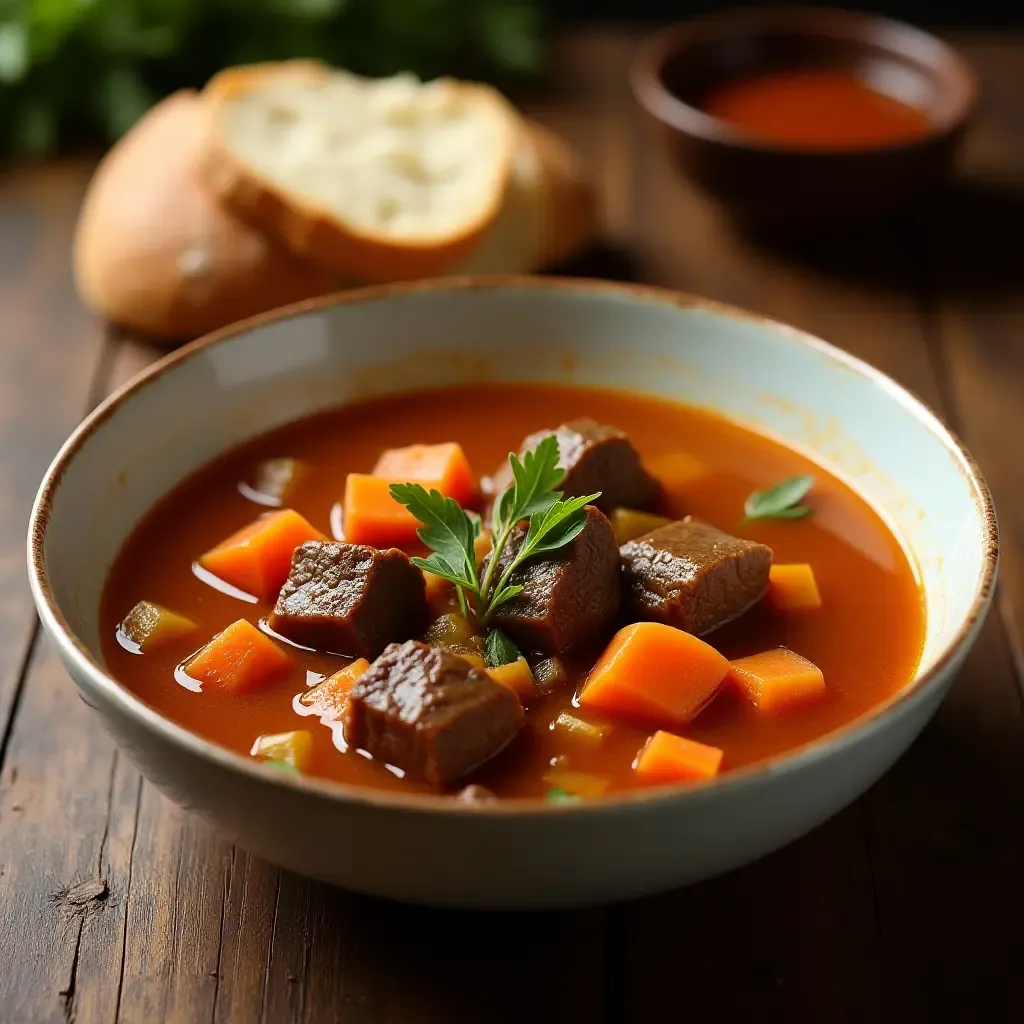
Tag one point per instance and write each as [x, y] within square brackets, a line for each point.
[536, 478]
[781, 501]
[499, 649]
[560, 796]
[448, 530]
[506, 595]
[436, 564]
[562, 522]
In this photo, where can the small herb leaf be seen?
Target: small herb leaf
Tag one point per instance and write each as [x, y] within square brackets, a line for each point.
[506, 594]
[437, 565]
[562, 522]
[536, 478]
[781, 501]
[447, 529]
[560, 796]
[499, 649]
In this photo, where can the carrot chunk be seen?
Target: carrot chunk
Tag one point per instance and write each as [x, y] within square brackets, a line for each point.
[149, 625]
[777, 680]
[239, 660]
[330, 697]
[793, 588]
[294, 749]
[373, 517]
[654, 672]
[670, 758]
[443, 467]
[257, 558]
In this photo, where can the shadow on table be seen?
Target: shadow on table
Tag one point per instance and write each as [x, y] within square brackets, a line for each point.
[968, 240]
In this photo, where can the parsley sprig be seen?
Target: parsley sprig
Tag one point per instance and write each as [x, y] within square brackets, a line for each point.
[782, 501]
[451, 532]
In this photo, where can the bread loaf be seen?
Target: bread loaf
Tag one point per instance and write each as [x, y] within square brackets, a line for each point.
[379, 179]
[155, 252]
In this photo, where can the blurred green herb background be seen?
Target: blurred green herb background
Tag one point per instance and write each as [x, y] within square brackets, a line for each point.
[86, 70]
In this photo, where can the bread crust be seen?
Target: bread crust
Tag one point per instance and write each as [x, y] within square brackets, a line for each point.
[316, 233]
[155, 252]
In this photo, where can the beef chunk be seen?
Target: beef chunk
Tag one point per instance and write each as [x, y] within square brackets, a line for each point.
[569, 595]
[350, 598]
[595, 457]
[692, 576]
[430, 713]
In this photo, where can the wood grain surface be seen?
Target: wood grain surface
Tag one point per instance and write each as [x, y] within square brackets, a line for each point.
[117, 907]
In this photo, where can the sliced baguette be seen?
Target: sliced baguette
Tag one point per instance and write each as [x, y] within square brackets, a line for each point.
[549, 214]
[155, 252]
[378, 179]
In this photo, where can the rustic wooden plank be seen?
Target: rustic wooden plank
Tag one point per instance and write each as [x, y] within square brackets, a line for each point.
[954, 875]
[49, 356]
[63, 860]
[799, 927]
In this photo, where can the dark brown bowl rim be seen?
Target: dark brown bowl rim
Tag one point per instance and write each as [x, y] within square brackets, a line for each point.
[960, 82]
[834, 742]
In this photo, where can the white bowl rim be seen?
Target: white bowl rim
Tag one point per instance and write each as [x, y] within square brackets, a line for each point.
[831, 743]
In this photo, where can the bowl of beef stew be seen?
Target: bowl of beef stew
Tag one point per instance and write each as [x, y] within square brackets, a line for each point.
[512, 592]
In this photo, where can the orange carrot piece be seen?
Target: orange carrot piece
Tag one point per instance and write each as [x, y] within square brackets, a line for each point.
[654, 672]
[670, 758]
[373, 517]
[443, 467]
[257, 558]
[793, 588]
[330, 697]
[777, 680]
[239, 660]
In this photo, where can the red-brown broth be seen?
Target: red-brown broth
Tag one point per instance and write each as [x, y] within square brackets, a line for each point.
[867, 637]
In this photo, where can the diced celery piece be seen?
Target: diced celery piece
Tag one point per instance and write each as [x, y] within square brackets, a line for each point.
[449, 630]
[629, 524]
[577, 729]
[550, 675]
[150, 625]
[291, 748]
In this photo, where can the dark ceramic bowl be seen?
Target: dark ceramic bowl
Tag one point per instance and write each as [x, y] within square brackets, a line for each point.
[771, 185]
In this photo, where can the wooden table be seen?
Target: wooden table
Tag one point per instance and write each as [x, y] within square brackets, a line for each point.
[908, 906]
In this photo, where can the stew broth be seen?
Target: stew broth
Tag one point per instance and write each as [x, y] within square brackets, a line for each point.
[866, 637]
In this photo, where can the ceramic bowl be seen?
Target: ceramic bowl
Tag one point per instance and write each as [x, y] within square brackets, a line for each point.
[764, 185]
[222, 390]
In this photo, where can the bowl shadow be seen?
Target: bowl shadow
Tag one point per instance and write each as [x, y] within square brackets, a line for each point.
[966, 240]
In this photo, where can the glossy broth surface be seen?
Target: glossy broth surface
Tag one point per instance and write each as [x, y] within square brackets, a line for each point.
[867, 637]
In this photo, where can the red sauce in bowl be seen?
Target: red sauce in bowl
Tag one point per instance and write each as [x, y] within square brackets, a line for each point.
[815, 109]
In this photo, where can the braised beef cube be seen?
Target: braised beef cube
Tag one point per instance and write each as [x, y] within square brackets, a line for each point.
[569, 595]
[430, 713]
[350, 598]
[692, 576]
[595, 457]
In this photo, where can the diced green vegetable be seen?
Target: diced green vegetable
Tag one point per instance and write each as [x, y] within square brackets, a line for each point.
[629, 524]
[293, 749]
[550, 675]
[559, 796]
[449, 630]
[150, 625]
[577, 729]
